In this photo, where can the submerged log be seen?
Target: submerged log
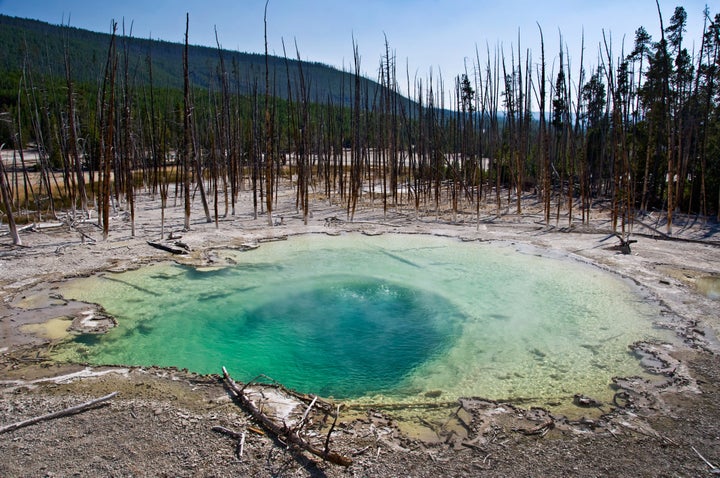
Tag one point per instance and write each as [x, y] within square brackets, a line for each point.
[282, 431]
[581, 400]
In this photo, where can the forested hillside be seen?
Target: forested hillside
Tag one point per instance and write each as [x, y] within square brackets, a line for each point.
[112, 116]
[41, 47]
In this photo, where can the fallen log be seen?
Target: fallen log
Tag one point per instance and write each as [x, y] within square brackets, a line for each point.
[282, 431]
[62, 413]
[168, 247]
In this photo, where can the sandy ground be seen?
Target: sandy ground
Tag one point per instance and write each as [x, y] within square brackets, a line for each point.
[160, 423]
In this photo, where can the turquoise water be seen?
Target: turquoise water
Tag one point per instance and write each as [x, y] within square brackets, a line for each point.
[382, 318]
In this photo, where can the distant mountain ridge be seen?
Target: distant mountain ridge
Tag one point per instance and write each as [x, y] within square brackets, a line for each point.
[42, 45]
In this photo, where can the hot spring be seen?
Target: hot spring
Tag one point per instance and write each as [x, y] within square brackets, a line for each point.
[390, 318]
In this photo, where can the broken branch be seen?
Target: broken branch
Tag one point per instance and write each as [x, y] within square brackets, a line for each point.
[713, 469]
[240, 437]
[305, 415]
[227, 431]
[282, 432]
[62, 413]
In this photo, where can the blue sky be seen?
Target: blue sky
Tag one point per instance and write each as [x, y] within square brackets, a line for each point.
[423, 34]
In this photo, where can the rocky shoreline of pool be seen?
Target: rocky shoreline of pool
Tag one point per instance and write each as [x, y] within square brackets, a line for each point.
[161, 421]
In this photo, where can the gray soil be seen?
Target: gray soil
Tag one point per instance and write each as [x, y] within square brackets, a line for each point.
[161, 422]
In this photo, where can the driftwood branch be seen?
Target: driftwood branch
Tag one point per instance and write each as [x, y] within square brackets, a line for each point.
[62, 413]
[282, 432]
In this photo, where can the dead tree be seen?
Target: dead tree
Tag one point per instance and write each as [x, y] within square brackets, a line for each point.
[189, 151]
[72, 140]
[356, 156]
[268, 131]
[544, 153]
[284, 432]
[225, 137]
[187, 141]
[303, 156]
[107, 122]
[7, 202]
[668, 123]
[127, 159]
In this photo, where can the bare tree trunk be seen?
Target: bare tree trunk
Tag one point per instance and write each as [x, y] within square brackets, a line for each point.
[303, 154]
[268, 132]
[107, 126]
[127, 158]
[544, 154]
[670, 149]
[187, 140]
[575, 146]
[19, 145]
[197, 160]
[356, 157]
[75, 158]
[7, 203]
[226, 146]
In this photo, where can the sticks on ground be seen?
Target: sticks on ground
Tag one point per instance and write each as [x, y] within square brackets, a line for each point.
[713, 469]
[240, 437]
[282, 431]
[62, 413]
